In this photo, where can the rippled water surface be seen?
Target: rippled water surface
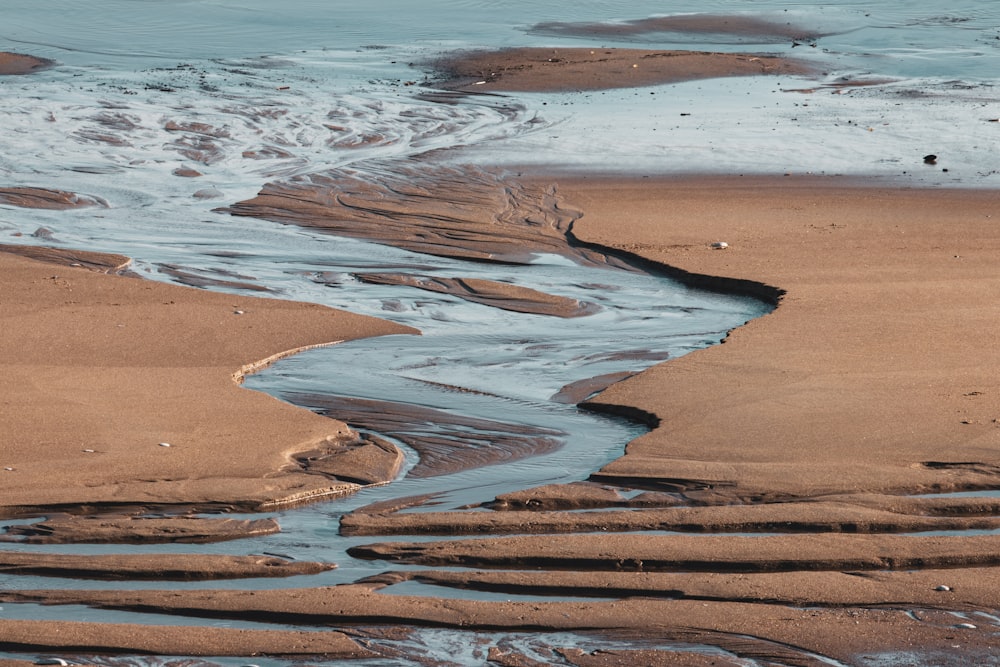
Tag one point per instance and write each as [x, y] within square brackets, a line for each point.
[250, 92]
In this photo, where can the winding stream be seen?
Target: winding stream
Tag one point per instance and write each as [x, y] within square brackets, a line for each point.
[126, 117]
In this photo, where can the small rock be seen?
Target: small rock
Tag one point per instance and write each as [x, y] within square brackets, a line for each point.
[8, 469]
[89, 451]
[720, 245]
[208, 193]
[51, 661]
[965, 626]
[943, 588]
[165, 444]
[930, 159]
[237, 312]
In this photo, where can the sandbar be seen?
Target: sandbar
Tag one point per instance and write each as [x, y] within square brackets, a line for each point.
[538, 69]
[78, 344]
[875, 380]
[20, 63]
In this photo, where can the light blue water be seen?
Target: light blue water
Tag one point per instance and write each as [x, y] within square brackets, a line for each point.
[266, 75]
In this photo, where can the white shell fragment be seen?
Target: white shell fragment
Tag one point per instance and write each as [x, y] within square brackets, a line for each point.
[943, 588]
[720, 245]
[165, 444]
[966, 626]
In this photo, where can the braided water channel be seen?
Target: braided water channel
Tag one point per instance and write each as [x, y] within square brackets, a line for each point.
[497, 371]
[124, 117]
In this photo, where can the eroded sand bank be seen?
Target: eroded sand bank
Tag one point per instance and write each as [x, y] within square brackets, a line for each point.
[876, 377]
[80, 344]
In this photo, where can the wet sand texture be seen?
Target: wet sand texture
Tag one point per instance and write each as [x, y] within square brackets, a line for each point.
[462, 212]
[19, 63]
[575, 69]
[446, 442]
[49, 199]
[549, 515]
[763, 629]
[69, 529]
[114, 638]
[80, 344]
[683, 553]
[488, 292]
[182, 567]
[878, 372]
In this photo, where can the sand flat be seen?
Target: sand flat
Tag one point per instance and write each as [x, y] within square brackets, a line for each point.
[102, 372]
[877, 372]
[536, 69]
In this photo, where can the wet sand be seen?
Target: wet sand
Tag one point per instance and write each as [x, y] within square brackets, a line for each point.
[573, 69]
[20, 63]
[80, 344]
[875, 378]
[877, 372]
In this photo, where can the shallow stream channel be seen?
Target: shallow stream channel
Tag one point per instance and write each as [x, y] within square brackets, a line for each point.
[498, 386]
[170, 114]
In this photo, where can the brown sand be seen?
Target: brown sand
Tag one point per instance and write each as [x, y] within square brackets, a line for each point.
[79, 345]
[842, 633]
[70, 529]
[879, 370]
[447, 442]
[46, 198]
[462, 212]
[19, 63]
[115, 638]
[702, 553]
[189, 567]
[825, 517]
[488, 292]
[573, 69]
[877, 375]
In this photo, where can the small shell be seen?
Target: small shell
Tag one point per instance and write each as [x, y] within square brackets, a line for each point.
[51, 661]
[943, 588]
[165, 444]
[720, 245]
[965, 626]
